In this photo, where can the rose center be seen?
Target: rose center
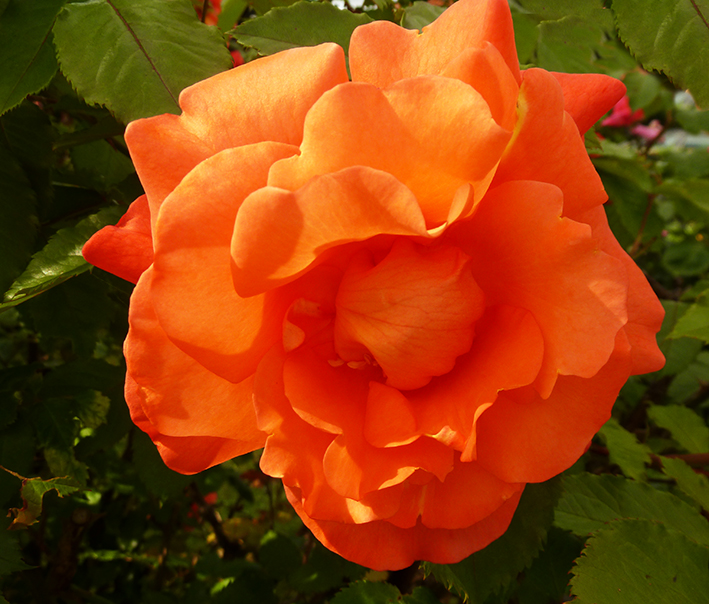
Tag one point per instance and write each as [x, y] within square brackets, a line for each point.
[413, 313]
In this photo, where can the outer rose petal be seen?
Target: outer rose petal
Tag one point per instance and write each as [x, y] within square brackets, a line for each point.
[382, 53]
[645, 313]
[546, 146]
[382, 546]
[234, 108]
[523, 438]
[126, 249]
[587, 97]
[173, 386]
[192, 289]
[187, 455]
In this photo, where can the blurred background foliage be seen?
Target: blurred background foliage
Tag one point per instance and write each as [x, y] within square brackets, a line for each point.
[93, 515]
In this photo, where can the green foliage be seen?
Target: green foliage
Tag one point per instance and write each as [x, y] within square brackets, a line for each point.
[27, 59]
[493, 569]
[143, 54]
[32, 492]
[663, 37]
[589, 502]
[624, 450]
[284, 28]
[687, 428]
[60, 259]
[366, 592]
[420, 14]
[634, 561]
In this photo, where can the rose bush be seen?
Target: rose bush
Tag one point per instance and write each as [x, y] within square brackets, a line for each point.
[403, 286]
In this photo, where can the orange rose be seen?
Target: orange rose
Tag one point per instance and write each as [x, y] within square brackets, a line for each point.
[403, 286]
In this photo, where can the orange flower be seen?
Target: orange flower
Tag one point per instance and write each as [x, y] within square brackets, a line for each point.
[403, 286]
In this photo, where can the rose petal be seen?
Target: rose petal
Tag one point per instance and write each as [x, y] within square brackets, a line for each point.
[421, 318]
[484, 69]
[524, 438]
[382, 546]
[546, 146]
[507, 353]
[645, 312]
[187, 455]
[194, 298]
[588, 96]
[382, 53]
[351, 205]
[523, 253]
[126, 249]
[468, 495]
[174, 386]
[433, 134]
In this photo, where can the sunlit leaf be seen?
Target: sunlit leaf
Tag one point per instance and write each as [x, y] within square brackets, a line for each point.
[60, 259]
[143, 54]
[33, 491]
[284, 28]
[624, 450]
[636, 562]
[671, 36]
[589, 502]
[687, 428]
[693, 484]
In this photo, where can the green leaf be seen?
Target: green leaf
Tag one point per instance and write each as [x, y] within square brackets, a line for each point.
[60, 259]
[366, 592]
[547, 579]
[693, 484]
[492, 569]
[155, 475]
[679, 353]
[33, 491]
[10, 561]
[101, 164]
[27, 61]
[624, 450]
[695, 322]
[687, 428]
[688, 258]
[589, 502]
[278, 555]
[323, 571]
[143, 54]
[420, 595]
[636, 562]
[293, 26]
[672, 37]
[231, 12]
[19, 224]
[420, 14]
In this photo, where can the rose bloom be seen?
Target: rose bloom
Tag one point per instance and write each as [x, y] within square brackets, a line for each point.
[402, 286]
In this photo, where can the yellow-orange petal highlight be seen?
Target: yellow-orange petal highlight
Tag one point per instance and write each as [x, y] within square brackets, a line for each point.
[414, 312]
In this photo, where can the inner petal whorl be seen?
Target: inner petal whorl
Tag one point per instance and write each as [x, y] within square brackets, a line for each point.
[414, 312]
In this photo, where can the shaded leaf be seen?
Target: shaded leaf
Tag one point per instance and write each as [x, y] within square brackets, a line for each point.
[278, 555]
[143, 54]
[10, 560]
[60, 259]
[695, 322]
[589, 502]
[687, 428]
[492, 569]
[18, 226]
[624, 450]
[324, 570]
[636, 561]
[672, 37]
[420, 14]
[693, 484]
[679, 353]
[290, 27]
[366, 592]
[27, 60]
